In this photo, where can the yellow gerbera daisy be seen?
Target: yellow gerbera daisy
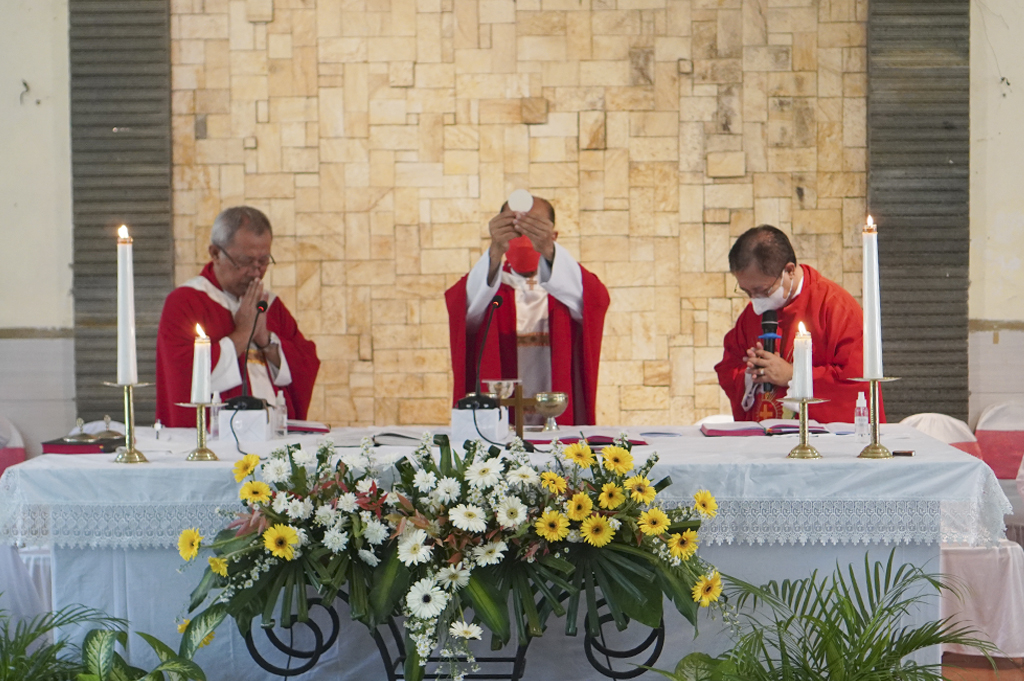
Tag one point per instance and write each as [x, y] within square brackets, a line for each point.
[553, 482]
[188, 543]
[255, 491]
[707, 589]
[580, 506]
[580, 454]
[280, 539]
[617, 460]
[219, 566]
[640, 489]
[597, 531]
[611, 496]
[245, 467]
[683, 545]
[705, 503]
[653, 522]
[553, 526]
[206, 639]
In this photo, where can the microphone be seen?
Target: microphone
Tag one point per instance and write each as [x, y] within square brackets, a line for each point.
[769, 330]
[245, 401]
[477, 400]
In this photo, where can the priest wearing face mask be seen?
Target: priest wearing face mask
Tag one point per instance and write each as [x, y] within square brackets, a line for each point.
[547, 330]
[764, 264]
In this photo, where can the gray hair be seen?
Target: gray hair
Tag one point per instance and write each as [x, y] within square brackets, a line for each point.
[233, 219]
[766, 246]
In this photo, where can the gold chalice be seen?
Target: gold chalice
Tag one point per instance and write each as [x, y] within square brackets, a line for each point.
[550, 405]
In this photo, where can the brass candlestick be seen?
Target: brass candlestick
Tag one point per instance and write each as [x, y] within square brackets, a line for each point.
[128, 453]
[875, 450]
[804, 450]
[201, 452]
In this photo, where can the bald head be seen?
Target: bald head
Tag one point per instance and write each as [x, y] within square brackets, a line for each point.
[765, 247]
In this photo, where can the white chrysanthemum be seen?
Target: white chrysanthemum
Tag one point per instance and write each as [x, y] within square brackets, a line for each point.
[335, 540]
[466, 630]
[300, 509]
[468, 517]
[453, 577]
[574, 537]
[484, 474]
[412, 549]
[448, 490]
[325, 515]
[490, 553]
[376, 532]
[524, 475]
[369, 558]
[300, 532]
[424, 481]
[276, 470]
[425, 600]
[615, 524]
[281, 502]
[304, 457]
[366, 484]
[347, 502]
[511, 512]
[391, 498]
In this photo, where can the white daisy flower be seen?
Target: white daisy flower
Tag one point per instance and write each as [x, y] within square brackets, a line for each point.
[448, 490]
[615, 524]
[484, 474]
[424, 481]
[300, 509]
[369, 558]
[366, 484]
[524, 475]
[490, 553]
[347, 503]
[466, 630]
[276, 470]
[336, 540]
[280, 503]
[468, 517]
[425, 600]
[511, 512]
[325, 515]
[453, 577]
[411, 548]
[304, 457]
[376, 532]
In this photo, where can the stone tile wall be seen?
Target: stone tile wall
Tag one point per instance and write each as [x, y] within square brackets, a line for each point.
[381, 135]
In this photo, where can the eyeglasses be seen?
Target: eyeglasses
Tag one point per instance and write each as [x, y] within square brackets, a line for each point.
[248, 263]
[759, 292]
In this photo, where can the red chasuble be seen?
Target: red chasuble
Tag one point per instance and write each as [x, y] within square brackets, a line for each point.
[187, 306]
[836, 324]
[575, 346]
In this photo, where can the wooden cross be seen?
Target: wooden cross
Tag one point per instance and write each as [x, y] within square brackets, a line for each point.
[520, 404]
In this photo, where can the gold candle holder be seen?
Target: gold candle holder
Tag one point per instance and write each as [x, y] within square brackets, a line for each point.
[201, 452]
[128, 453]
[875, 450]
[804, 450]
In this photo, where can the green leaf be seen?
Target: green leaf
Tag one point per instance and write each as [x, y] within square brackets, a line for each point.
[271, 599]
[390, 583]
[662, 484]
[488, 606]
[201, 626]
[183, 667]
[358, 600]
[202, 589]
[413, 670]
[679, 592]
[524, 595]
[98, 652]
[162, 650]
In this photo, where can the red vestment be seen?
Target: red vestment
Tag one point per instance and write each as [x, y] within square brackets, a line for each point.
[836, 324]
[184, 308]
[575, 346]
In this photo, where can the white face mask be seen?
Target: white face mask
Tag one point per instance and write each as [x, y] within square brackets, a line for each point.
[773, 302]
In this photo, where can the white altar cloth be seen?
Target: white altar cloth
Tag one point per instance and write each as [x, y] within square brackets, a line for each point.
[114, 527]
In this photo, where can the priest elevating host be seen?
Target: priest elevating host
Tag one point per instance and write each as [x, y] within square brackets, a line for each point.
[223, 300]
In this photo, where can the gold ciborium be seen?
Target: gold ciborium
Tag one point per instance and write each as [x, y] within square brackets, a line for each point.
[503, 388]
[550, 405]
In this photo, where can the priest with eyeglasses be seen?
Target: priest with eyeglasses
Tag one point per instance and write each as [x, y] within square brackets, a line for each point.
[224, 299]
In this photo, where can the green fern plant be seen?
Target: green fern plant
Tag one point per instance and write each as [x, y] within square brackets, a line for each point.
[840, 627]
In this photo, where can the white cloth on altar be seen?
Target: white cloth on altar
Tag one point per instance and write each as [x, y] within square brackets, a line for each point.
[18, 595]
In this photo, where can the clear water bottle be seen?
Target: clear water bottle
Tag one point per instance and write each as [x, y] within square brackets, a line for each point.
[860, 418]
[280, 415]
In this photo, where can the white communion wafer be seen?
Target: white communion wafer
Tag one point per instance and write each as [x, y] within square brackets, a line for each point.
[520, 201]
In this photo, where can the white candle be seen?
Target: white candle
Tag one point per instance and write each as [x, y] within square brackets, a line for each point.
[127, 368]
[201, 388]
[802, 384]
[872, 304]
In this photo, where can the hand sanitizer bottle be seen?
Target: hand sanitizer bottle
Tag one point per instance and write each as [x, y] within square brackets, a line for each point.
[280, 416]
[860, 418]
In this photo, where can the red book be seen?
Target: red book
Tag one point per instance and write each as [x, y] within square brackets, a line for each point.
[62, 446]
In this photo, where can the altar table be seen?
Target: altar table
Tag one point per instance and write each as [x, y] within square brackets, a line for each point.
[113, 528]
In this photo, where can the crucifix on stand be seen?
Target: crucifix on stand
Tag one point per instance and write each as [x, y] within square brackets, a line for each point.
[520, 404]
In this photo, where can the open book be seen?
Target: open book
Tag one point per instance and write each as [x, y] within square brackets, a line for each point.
[766, 427]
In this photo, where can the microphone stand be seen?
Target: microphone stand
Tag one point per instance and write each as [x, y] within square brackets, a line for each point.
[245, 401]
[478, 400]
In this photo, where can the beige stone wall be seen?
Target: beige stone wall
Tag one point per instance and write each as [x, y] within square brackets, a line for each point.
[381, 135]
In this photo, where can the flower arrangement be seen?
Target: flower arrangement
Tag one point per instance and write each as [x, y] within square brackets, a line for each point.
[433, 537]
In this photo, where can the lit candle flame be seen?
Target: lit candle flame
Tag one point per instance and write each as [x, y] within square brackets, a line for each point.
[803, 329]
[200, 332]
[870, 225]
[122, 231]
